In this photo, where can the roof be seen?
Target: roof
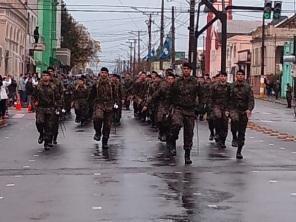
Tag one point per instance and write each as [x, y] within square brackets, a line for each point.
[240, 26]
[287, 22]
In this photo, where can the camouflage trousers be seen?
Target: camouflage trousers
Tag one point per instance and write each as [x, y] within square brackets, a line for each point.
[182, 118]
[45, 123]
[81, 110]
[220, 122]
[239, 122]
[102, 119]
[162, 119]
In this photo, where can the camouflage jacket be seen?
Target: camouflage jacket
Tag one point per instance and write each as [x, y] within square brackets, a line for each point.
[160, 96]
[81, 93]
[46, 95]
[185, 92]
[241, 97]
[219, 95]
[104, 92]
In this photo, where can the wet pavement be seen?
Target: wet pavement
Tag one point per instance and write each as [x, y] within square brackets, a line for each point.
[136, 179]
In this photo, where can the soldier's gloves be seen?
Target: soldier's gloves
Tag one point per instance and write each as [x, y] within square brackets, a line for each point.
[63, 111]
[57, 112]
[144, 109]
[115, 106]
[249, 113]
[227, 113]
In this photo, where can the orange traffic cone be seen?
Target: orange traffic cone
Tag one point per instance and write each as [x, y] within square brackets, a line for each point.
[29, 108]
[18, 106]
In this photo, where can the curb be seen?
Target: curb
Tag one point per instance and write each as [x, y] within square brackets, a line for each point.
[271, 101]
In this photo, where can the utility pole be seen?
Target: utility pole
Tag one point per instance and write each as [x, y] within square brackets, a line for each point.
[173, 38]
[224, 37]
[150, 41]
[134, 67]
[262, 58]
[192, 46]
[131, 58]
[161, 33]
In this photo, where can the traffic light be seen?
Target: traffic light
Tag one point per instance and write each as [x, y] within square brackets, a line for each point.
[267, 9]
[277, 10]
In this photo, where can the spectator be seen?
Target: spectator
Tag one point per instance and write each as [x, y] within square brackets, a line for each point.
[29, 91]
[277, 89]
[4, 83]
[12, 91]
[22, 88]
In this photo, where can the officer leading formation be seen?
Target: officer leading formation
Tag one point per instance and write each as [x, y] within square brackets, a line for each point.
[168, 102]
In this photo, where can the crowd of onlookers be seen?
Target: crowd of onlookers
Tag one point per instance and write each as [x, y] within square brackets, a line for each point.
[14, 91]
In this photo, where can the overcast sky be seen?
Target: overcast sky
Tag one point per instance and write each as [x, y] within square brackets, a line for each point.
[112, 28]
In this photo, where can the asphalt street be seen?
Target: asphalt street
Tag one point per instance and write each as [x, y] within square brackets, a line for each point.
[136, 179]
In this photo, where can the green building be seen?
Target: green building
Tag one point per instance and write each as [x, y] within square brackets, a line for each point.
[288, 67]
[45, 55]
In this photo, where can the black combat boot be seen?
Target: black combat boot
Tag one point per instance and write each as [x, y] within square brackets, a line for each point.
[105, 143]
[211, 138]
[54, 140]
[173, 150]
[40, 139]
[239, 155]
[97, 137]
[234, 142]
[221, 144]
[187, 157]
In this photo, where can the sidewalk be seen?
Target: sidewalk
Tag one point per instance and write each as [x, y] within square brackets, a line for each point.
[272, 99]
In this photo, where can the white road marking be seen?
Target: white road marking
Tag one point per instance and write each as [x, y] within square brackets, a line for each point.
[212, 206]
[10, 185]
[26, 167]
[32, 160]
[97, 208]
[97, 174]
[1, 198]
[18, 116]
[273, 181]
[282, 148]
[293, 194]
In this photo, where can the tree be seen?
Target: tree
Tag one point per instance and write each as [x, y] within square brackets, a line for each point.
[76, 38]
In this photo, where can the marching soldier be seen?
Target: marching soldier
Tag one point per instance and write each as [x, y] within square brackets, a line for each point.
[44, 98]
[81, 106]
[59, 101]
[219, 100]
[241, 106]
[117, 110]
[161, 95]
[68, 95]
[127, 87]
[139, 93]
[183, 97]
[104, 98]
[206, 98]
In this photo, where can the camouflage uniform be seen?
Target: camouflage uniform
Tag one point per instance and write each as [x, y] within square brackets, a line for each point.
[183, 99]
[127, 87]
[117, 112]
[45, 97]
[219, 103]
[210, 117]
[81, 106]
[241, 100]
[139, 92]
[103, 96]
[161, 97]
[68, 95]
[60, 101]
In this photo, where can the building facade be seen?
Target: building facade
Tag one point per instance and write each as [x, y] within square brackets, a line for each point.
[13, 35]
[237, 55]
[47, 17]
[275, 38]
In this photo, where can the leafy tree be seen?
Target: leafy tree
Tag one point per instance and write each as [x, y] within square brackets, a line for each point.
[76, 38]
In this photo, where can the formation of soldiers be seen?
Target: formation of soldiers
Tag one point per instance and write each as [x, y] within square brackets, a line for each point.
[168, 102]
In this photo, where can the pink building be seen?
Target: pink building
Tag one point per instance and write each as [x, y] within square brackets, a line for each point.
[240, 28]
